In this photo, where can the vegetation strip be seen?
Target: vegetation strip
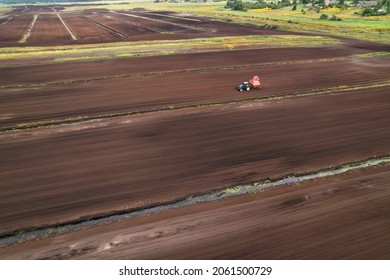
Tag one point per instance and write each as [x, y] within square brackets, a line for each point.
[28, 33]
[80, 119]
[74, 38]
[161, 46]
[170, 72]
[252, 187]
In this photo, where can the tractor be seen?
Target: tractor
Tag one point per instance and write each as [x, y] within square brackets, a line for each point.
[253, 83]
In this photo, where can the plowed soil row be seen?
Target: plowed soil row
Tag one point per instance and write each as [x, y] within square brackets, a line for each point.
[172, 17]
[152, 26]
[16, 11]
[100, 23]
[85, 31]
[126, 25]
[5, 19]
[205, 27]
[32, 74]
[344, 217]
[12, 31]
[153, 92]
[63, 173]
[148, 25]
[167, 25]
[49, 28]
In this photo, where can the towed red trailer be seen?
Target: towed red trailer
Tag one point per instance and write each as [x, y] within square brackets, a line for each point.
[253, 83]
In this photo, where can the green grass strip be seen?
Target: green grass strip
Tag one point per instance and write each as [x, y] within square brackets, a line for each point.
[158, 46]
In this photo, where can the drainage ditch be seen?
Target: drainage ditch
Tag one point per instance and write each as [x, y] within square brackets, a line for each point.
[38, 233]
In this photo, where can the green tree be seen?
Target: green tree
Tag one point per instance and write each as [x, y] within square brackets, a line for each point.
[239, 6]
[383, 4]
[367, 12]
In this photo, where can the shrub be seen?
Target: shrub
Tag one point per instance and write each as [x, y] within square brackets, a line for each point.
[335, 18]
[324, 16]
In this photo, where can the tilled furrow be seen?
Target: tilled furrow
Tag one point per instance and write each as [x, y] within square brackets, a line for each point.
[278, 96]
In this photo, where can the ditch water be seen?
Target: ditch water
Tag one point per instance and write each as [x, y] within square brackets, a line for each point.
[212, 196]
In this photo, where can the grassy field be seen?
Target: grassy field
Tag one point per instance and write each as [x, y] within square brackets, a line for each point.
[304, 20]
[4, 8]
[163, 47]
[352, 25]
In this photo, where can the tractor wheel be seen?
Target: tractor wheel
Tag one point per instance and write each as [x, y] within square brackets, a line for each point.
[248, 89]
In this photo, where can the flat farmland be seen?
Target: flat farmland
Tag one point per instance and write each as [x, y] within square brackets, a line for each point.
[198, 150]
[101, 25]
[48, 28]
[17, 11]
[245, 227]
[36, 74]
[13, 30]
[84, 31]
[149, 24]
[126, 26]
[163, 24]
[83, 143]
[93, 98]
[174, 17]
[5, 18]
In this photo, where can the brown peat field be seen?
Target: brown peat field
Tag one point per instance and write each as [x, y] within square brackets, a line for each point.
[122, 136]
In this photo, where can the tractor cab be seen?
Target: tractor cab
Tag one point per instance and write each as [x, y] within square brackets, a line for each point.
[244, 86]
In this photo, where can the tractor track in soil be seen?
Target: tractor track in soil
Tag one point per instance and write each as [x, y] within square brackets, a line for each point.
[279, 96]
[173, 72]
[103, 27]
[331, 76]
